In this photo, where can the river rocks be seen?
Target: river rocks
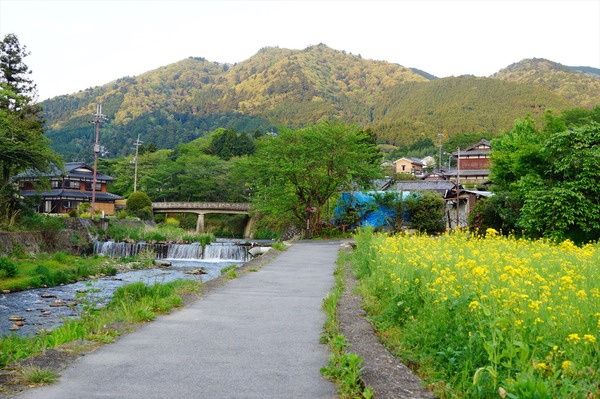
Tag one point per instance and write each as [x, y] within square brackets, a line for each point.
[14, 327]
[57, 303]
[19, 323]
[6, 291]
[196, 271]
[163, 263]
[16, 318]
[48, 296]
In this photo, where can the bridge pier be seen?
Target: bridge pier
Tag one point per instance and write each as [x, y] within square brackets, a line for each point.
[200, 223]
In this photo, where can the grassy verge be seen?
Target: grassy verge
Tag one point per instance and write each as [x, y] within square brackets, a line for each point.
[133, 303]
[344, 367]
[46, 270]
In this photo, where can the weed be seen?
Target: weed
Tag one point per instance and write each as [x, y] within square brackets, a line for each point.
[37, 375]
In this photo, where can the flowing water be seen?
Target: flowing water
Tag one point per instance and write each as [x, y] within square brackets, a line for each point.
[38, 307]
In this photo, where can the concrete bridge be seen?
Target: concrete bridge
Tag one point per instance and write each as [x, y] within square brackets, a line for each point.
[203, 208]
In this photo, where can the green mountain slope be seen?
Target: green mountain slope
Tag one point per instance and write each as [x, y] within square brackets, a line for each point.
[180, 102]
[458, 105]
[580, 85]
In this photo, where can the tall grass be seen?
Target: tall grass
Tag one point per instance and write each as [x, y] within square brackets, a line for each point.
[488, 316]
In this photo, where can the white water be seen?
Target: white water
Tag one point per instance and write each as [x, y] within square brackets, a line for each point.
[214, 251]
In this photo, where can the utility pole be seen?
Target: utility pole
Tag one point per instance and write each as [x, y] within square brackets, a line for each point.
[457, 185]
[135, 161]
[440, 135]
[96, 121]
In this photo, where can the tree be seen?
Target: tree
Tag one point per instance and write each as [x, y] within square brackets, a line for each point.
[22, 143]
[426, 211]
[297, 171]
[553, 174]
[226, 144]
[564, 202]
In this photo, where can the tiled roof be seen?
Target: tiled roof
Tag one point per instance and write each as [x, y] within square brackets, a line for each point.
[76, 194]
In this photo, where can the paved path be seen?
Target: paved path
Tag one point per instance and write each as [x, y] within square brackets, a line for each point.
[255, 337]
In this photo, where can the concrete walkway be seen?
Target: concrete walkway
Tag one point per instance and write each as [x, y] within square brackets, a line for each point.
[255, 337]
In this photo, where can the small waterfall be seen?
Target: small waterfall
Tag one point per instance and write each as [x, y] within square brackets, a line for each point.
[185, 251]
[214, 251]
[226, 251]
[125, 249]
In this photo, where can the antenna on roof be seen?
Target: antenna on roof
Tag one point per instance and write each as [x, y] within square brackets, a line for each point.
[98, 117]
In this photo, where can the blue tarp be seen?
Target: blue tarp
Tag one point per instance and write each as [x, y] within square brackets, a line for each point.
[362, 209]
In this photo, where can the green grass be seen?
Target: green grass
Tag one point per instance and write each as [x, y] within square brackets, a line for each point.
[133, 303]
[33, 375]
[50, 270]
[344, 368]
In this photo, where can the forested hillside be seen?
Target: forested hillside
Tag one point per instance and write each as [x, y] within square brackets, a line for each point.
[180, 102]
[457, 105]
[579, 85]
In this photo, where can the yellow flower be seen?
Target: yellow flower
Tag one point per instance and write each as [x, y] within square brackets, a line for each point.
[490, 232]
[589, 338]
[541, 366]
[574, 338]
[474, 305]
[566, 365]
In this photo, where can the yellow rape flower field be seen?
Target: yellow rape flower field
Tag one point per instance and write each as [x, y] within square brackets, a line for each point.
[491, 317]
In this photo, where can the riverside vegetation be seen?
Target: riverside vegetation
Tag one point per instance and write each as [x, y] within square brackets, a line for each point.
[486, 316]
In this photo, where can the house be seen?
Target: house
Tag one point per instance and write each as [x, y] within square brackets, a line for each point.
[69, 188]
[474, 163]
[413, 166]
[428, 162]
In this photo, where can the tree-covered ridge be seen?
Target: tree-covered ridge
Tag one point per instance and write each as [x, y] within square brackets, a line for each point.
[277, 87]
[580, 85]
[457, 105]
[258, 85]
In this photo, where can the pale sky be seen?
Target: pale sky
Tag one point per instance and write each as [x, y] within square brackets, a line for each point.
[78, 44]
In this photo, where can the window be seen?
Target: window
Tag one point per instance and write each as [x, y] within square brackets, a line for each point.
[72, 184]
[56, 184]
[88, 186]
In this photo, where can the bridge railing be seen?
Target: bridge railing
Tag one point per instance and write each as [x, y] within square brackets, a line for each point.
[225, 206]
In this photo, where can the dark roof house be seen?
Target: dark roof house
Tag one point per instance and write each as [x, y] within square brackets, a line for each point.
[69, 188]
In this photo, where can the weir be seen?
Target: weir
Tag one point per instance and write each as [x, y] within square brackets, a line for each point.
[213, 251]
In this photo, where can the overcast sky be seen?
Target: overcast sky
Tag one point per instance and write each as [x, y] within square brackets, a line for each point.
[78, 44]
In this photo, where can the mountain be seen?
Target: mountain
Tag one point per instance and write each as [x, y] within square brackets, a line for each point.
[458, 105]
[579, 85]
[182, 101]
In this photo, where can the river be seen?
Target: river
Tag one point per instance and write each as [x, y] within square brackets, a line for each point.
[38, 307]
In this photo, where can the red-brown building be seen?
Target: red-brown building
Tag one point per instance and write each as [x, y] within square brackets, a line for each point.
[474, 163]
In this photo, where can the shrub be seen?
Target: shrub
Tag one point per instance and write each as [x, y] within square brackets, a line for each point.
[138, 201]
[499, 212]
[8, 268]
[426, 211]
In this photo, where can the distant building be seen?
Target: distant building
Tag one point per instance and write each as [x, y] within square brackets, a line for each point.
[69, 188]
[474, 163]
[414, 166]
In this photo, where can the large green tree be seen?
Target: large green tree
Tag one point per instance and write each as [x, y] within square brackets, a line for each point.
[298, 171]
[22, 143]
[553, 173]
